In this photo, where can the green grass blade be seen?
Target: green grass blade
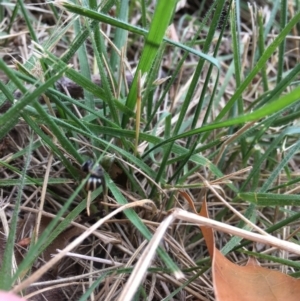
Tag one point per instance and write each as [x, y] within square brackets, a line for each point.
[28, 21]
[120, 35]
[270, 199]
[161, 19]
[283, 19]
[261, 47]
[236, 47]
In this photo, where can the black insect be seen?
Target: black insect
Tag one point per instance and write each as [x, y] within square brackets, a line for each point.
[96, 178]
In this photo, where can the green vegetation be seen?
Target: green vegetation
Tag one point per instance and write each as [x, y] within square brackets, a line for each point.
[222, 97]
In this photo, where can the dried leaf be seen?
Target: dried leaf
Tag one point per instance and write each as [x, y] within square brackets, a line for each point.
[248, 283]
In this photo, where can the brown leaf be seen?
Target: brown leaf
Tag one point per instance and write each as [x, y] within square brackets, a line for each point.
[208, 233]
[251, 283]
[246, 283]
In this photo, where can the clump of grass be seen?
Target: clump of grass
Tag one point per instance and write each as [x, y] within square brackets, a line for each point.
[112, 83]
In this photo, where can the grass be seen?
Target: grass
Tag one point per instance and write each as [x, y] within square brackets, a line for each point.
[220, 96]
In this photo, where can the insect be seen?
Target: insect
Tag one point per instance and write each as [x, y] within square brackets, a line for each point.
[96, 178]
